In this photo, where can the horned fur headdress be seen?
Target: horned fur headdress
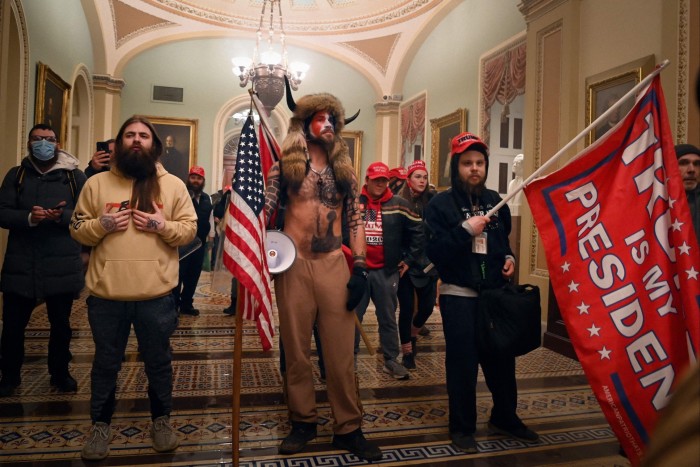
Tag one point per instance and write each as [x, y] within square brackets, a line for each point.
[294, 148]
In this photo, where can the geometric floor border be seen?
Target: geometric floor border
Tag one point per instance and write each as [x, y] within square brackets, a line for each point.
[437, 452]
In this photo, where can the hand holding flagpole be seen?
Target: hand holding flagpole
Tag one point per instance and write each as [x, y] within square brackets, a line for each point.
[632, 92]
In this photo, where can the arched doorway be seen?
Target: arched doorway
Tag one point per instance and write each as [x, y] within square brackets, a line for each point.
[14, 83]
[227, 129]
[80, 137]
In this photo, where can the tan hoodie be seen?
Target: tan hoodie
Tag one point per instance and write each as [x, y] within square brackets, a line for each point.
[132, 265]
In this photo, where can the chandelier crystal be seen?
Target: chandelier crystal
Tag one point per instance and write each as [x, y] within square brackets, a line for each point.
[267, 69]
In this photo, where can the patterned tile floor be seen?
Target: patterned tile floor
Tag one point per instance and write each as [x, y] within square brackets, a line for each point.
[39, 426]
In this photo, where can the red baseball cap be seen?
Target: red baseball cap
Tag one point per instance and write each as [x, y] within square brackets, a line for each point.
[197, 170]
[416, 165]
[464, 141]
[377, 170]
[398, 172]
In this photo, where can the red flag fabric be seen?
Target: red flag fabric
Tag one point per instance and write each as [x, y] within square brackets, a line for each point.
[244, 243]
[269, 150]
[623, 261]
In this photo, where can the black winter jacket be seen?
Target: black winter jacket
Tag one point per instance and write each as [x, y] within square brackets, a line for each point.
[43, 260]
[402, 231]
[203, 208]
[418, 277]
[449, 245]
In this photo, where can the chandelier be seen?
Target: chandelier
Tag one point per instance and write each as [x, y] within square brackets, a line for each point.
[267, 69]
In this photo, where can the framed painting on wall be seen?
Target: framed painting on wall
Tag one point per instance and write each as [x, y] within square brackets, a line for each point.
[354, 141]
[604, 89]
[51, 102]
[179, 137]
[442, 131]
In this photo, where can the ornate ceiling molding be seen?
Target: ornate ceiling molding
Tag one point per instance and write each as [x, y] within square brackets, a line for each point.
[129, 22]
[108, 83]
[377, 51]
[300, 23]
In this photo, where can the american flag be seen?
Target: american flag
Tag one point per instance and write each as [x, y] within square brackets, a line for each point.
[244, 245]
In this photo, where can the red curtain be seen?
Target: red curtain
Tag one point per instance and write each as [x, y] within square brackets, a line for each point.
[503, 81]
[412, 125]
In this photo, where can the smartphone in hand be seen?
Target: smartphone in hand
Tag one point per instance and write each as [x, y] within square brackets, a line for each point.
[103, 146]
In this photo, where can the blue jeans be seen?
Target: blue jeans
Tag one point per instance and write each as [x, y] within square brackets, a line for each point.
[110, 321]
[382, 288]
[462, 364]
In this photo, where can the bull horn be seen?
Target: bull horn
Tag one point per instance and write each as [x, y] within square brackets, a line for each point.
[290, 99]
[348, 121]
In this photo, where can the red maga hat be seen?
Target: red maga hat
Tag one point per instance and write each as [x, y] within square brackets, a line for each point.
[197, 170]
[398, 172]
[416, 165]
[464, 141]
[377, 170]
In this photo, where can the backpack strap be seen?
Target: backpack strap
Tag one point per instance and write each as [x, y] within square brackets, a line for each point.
[19, 178]
[73, 184]
[70, 174]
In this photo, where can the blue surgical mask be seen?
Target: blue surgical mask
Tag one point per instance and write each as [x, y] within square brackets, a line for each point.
[43, 150]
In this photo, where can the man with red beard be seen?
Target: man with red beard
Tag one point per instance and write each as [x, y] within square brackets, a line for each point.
[134, 217]
[471, 252]
[191, 265]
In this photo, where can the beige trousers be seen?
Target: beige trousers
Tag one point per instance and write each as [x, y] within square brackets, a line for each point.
[315, 291]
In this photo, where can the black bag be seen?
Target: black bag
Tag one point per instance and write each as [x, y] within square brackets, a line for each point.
[508, 319]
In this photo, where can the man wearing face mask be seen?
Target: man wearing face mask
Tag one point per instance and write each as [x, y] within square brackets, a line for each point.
[42, 261]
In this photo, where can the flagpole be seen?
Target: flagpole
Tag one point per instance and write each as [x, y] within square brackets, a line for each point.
[632, 92]
[236, 379]
[259, 105]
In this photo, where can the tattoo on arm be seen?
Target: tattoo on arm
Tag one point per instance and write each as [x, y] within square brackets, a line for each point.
[107, 223]
[353, 214]
[272, 191]
[356, 229]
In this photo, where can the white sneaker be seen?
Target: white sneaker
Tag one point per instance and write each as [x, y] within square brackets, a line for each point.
[395, 369]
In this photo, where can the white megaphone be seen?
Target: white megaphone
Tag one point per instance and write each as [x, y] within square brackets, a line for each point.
[280, 251]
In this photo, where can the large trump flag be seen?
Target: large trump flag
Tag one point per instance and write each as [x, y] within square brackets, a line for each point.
[624, 264]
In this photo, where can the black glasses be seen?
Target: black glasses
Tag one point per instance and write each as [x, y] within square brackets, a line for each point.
[35, 138]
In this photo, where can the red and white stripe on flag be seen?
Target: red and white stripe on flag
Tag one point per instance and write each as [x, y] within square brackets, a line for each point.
[623, 261]
[269, 150]
[244, 245]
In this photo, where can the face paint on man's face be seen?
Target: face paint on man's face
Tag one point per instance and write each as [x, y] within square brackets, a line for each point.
[321, 123]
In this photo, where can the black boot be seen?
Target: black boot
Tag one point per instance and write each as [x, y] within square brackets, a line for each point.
[356, 443]
[298, 438]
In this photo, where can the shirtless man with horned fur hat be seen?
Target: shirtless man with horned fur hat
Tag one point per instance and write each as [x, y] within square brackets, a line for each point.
[316, 183]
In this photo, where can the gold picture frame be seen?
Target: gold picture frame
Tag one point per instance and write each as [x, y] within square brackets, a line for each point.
[51, 101]
[606, 88]
[354, 141]
[182, 154]
[442, 131]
